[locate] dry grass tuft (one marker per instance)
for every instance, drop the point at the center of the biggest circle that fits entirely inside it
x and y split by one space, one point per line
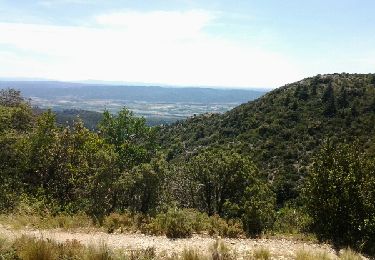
308 255
192 254
349 254
47 221
261 254
220 251
31 248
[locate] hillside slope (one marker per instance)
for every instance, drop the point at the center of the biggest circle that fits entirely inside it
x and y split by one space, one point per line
282 130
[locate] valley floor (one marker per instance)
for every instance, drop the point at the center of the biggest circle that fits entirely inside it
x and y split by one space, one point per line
241 248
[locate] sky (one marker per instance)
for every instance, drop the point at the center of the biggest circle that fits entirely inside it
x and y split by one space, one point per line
237 44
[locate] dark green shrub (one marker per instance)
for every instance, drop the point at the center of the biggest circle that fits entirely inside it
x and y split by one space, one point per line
258 209
340 195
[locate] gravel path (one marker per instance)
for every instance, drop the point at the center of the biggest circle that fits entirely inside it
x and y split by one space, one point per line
279 248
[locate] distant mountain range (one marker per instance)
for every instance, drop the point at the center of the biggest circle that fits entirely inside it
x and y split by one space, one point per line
158 104
57 89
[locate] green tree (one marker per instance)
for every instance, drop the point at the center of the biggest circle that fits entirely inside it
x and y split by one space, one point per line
303 93
373 80
257 208
11 98
43 154
314 86
13 162
219 177
228 184
16 121
86 172
132 138
342 99
340 195
143 188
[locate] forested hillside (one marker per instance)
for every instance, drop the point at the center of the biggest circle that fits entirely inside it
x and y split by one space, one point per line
282 130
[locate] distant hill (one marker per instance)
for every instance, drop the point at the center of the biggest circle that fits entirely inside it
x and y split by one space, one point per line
283 129
56 89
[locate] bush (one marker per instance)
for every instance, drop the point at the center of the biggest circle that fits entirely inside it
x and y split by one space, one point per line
221 227
118 222
258 213
218 226
291 220
175 223
191 254
183 222
235 229
307 255
47 221
6 250
348 254
126 222
32 248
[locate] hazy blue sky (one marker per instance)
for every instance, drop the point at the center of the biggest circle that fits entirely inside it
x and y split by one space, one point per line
261 43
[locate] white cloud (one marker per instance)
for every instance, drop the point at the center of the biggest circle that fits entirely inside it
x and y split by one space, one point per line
158 23
49 3
165 47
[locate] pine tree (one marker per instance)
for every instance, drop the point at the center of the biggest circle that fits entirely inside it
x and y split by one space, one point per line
329 101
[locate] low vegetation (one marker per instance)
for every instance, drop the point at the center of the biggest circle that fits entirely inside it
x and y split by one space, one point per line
307 255
175 223
348 254
39 249
261 254
31 248
47 221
